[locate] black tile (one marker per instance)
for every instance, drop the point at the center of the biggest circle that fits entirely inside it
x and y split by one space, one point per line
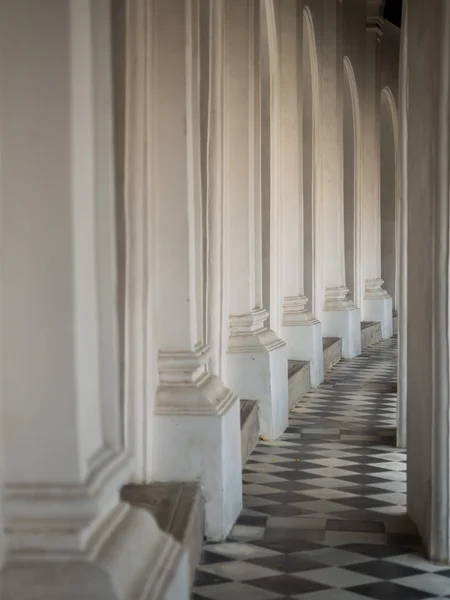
202 578
387 590
402 539
279 510
362 502
286 584
287 563
360 479
289 486
376 550
364 526
288 546
252 520
383 569
208 557
283 497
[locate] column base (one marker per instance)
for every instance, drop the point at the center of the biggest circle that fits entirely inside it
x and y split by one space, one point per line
200 440
257 369
137 560
377 306
302 333
341 318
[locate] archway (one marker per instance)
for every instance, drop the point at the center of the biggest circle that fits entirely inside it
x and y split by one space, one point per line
352 186
389 194
310 160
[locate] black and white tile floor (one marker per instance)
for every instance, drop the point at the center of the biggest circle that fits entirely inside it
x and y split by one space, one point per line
324 506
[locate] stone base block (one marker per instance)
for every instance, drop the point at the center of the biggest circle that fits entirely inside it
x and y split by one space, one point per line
344 324
262 374
304 342
249 428
370 333
299 381
380 309
137 560
332 352
205 448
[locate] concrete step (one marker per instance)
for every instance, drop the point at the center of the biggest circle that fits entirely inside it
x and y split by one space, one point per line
249 428
370 333
178 508
332 352
299 381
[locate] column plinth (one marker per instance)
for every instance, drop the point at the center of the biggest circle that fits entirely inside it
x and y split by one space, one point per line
377 306
302 333
257 369
341 318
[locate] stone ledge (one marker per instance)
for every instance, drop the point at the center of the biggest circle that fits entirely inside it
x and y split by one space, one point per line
299 381
332 352
370 333
178 508
249 428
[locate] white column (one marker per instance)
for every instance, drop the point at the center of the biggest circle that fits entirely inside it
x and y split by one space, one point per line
256 357
341 318
69 535
403 235
301 331
377 303
428 283
197 419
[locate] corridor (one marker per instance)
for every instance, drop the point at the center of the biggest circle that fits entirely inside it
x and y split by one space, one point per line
325 505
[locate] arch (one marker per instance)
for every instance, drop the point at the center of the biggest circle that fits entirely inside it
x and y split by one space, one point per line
271 219
389 194
352 183
310 157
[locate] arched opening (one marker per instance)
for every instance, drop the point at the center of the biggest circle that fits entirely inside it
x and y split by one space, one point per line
309 84
388 194
352 164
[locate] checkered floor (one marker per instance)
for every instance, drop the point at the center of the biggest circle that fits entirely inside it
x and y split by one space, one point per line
324 506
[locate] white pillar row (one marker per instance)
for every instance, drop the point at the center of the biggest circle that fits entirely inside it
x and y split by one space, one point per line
300 329
377 303
341 318
428 282
69 535
196 425
256 357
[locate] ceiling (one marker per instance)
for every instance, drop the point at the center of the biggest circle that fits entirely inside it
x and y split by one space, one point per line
393 11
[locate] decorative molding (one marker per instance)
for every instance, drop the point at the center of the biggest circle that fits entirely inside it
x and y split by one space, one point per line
157 569
374 289
295 312
337 298
249 334
187 388
65 520
375 16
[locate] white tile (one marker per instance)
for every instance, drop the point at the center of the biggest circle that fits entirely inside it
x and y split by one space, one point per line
247 533
334 557
234 591
431 583
327 494
336 577
238 550
239 571
417 562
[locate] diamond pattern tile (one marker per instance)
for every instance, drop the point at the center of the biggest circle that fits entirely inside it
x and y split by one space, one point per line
325 505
